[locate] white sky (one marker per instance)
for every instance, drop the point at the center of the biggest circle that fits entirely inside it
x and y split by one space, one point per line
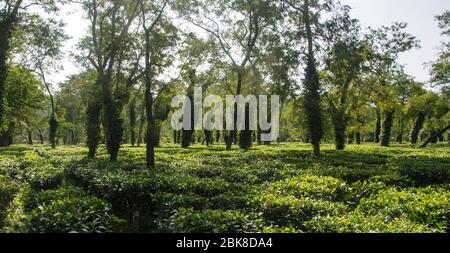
419 14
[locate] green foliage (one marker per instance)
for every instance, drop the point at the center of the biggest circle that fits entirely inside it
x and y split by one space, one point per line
356 222
44 177
212 221
68 211
424 206
297 200
271 189
422 172
8 190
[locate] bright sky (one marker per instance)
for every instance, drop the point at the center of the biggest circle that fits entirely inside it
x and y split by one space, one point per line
419 14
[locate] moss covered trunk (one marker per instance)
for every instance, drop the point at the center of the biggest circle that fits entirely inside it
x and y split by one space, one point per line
386 130
378 127
417 127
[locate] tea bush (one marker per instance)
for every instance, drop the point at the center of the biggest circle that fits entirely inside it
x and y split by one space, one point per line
8 190
357 222
212 221
44 177
278 188
425 206
68 211
424 171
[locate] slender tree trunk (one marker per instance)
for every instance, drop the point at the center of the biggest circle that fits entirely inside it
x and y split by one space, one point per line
141 126
312 88
53 130
233 133
93 128
188 135
175 136
53 122
30 138
217 136
339 129
150 145
41 137
246 138
402 129
417 127
440 132
358 137
133 122
378 127
208 137
387 128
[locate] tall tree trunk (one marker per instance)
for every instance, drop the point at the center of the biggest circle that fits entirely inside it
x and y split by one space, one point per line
208 137
150 145
53 122
6 136
6 28
339 129
387 128
358 137
378 127
93 126
232 136
188 134
402 129
429 139
175 136
417 127
53 130
245 137
141 126
217 136
133 122
112 121
41 137
312 88
30 137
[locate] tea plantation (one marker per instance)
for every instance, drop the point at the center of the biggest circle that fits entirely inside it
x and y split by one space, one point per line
271 189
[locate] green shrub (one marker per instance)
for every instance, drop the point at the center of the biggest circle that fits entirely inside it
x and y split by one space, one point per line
212 221
362 189
34 199
356 222
424 171
70 213
352 175
426 206
44 177
299 199
8 190
10 168
289 210
279 230
326 188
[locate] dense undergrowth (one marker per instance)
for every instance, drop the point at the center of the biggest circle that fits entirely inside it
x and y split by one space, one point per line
278 188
